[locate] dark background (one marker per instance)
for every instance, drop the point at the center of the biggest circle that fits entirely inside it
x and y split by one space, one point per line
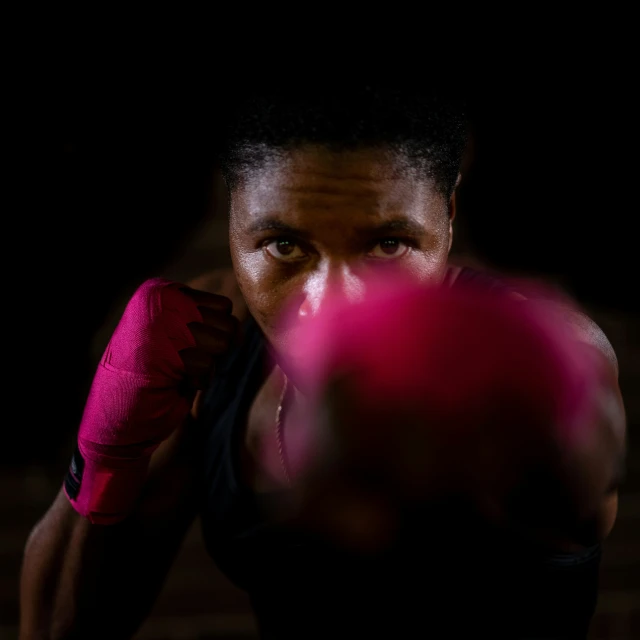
116 183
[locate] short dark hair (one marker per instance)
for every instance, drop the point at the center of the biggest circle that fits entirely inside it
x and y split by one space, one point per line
425 129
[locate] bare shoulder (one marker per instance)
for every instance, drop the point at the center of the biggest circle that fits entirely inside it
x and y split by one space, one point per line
586 329
222 282
590 332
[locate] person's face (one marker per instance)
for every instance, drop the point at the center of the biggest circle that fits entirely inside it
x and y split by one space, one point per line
315 222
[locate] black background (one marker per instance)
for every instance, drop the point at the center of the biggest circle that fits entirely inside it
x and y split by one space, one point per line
115 161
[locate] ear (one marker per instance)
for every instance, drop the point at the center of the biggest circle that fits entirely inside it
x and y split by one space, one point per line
452 210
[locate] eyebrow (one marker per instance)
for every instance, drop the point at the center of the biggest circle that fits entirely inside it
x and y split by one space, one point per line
401 225
392 226
273 224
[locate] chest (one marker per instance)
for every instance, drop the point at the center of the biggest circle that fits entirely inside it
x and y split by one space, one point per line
261 465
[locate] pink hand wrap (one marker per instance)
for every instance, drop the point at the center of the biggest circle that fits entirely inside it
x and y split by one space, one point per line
136 401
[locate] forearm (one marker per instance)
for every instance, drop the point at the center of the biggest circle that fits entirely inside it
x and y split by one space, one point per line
82 580
59 572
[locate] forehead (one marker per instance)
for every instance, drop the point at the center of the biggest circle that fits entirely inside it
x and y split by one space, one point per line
315 181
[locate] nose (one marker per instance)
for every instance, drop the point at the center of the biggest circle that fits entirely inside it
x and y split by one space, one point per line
330 282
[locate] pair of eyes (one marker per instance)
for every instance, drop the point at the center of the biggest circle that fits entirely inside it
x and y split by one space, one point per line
287 250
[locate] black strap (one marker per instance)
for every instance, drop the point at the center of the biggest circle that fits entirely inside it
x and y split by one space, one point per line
73 477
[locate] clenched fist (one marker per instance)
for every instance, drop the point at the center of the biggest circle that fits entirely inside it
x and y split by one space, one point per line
162 351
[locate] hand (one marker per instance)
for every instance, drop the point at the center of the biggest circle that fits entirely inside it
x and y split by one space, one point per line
212 337
426 393
163 349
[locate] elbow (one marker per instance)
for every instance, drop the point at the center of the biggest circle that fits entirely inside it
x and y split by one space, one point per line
598 528
593 530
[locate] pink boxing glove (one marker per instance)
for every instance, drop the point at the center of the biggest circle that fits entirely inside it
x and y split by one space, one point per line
138 396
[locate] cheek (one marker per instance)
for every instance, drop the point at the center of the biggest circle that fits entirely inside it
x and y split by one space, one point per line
266 294
433 266
429 265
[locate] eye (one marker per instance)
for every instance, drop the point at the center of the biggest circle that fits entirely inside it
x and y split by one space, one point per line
389 249
284 250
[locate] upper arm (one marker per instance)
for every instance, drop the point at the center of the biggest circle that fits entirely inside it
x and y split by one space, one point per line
606 449
601 456
611 405
604 454
613 422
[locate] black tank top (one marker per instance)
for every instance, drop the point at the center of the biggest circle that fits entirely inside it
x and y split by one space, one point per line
452 576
